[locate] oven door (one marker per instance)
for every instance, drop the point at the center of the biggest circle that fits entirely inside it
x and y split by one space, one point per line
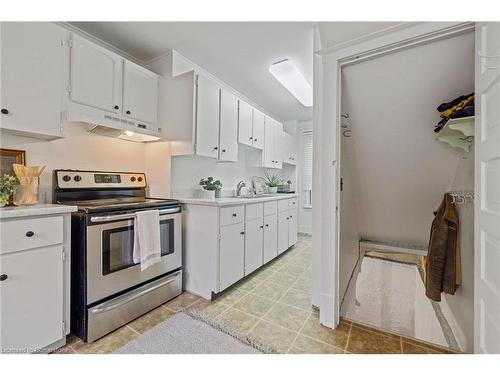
110 245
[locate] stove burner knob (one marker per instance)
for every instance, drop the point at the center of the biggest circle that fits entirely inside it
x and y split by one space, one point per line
77 178
139 179
132 179
66 178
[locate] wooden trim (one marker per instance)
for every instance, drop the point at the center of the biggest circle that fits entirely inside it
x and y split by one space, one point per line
20 155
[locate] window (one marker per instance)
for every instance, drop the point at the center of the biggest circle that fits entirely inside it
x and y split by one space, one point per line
307 168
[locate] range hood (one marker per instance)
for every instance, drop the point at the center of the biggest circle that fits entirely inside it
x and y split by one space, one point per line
111 125
127 135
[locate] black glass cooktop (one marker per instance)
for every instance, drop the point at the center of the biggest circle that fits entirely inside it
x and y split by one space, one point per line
113 204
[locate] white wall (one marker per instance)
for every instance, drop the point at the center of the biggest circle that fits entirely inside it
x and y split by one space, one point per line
400 171
79 150
187 170
305 214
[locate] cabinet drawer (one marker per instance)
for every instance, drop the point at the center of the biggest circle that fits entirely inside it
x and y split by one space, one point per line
283 205
31 233
253 211
292 203
270 208
231 215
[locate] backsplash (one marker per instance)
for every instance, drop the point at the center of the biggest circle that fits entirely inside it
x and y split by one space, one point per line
81 150
187 170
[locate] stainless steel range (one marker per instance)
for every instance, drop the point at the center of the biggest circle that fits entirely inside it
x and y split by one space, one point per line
107 288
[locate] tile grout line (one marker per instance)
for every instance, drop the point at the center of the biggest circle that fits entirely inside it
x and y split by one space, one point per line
274 304
348 337
298 333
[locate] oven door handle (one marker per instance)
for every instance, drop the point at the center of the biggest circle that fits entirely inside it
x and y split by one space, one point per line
103 219
127 299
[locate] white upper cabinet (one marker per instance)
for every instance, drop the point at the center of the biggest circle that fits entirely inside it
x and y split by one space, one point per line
245 123
32 71
140 93
258 129
289 149
228 144
251 126
273 144
96 76
207 117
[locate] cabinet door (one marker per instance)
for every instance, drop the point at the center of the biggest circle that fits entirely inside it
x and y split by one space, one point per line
231 254
32 71
96 76
31 312
270 238
207 117
268 154
228 142
283 240
254 237
140 93
245 123
278 145
258 129
292 227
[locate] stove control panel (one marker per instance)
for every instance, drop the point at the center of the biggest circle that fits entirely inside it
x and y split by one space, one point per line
75 179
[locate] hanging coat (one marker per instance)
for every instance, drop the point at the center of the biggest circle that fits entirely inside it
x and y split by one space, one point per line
443 264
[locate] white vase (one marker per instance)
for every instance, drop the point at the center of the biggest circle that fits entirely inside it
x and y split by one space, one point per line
272 189
205 194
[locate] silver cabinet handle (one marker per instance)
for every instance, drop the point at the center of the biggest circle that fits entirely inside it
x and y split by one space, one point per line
102 219
126 300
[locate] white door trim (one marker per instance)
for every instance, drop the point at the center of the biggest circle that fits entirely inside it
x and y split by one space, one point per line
327 123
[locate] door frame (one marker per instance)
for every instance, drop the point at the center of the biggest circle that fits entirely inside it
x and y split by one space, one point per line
327 120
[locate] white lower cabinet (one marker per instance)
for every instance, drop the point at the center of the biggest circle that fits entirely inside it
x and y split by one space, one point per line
270 238
282 231
292 227
254 241
32 299
222 245
34 278
287 225
231 255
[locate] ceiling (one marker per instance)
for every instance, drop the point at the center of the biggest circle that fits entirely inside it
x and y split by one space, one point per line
333 33
238 53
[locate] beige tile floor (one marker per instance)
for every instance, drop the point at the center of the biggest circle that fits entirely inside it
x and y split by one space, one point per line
273 306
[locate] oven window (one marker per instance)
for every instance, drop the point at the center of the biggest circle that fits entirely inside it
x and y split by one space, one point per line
118 246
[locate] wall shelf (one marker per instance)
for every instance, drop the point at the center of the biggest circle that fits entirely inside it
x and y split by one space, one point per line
458 132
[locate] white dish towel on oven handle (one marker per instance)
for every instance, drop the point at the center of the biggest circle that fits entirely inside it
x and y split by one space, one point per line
147 245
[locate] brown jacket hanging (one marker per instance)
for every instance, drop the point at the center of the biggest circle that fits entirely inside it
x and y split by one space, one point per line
443 264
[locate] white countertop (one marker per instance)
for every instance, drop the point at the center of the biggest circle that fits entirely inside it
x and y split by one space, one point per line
35 210
233 201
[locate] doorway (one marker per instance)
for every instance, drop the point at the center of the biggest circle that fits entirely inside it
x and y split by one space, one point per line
393 175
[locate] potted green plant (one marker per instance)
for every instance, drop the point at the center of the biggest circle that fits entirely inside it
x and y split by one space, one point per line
272 181
211 185
7 188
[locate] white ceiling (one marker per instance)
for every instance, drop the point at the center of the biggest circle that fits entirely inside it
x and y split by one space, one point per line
399 170
238 53
333 33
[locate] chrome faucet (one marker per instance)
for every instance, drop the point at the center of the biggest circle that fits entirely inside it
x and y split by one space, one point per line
240 185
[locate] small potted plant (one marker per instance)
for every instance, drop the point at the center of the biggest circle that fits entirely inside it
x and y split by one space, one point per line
272 181
7 188
211 185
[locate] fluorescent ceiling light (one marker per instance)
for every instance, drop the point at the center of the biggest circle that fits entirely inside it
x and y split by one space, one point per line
294 81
